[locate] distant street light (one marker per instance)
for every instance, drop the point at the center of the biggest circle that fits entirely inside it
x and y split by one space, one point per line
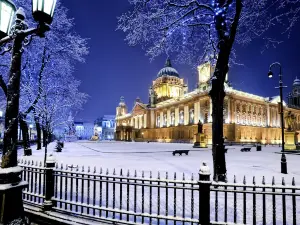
270 75
15 35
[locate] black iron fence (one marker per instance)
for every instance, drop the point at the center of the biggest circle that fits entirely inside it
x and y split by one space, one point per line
142 198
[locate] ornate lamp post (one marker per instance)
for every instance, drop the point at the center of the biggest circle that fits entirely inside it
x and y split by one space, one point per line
270 75
15 35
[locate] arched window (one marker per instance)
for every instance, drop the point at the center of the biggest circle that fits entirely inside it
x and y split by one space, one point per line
158 121
191 116
181 117
165 120
172 119
206 118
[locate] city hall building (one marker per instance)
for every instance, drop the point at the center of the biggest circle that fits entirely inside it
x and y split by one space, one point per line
172 113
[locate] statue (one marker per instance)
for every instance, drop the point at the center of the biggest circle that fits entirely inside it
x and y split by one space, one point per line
200 127
290 119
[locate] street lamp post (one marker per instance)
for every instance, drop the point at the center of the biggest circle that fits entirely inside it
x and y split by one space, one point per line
16 31
270 75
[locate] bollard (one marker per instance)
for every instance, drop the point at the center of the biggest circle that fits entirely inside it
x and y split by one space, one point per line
204 194
50 165
283 164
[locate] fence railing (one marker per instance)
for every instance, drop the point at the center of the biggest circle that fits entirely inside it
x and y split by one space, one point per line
161 199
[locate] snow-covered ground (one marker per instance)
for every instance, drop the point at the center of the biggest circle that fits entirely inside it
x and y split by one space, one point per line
158 157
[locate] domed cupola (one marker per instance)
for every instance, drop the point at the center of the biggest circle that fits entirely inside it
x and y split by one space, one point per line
168 84
296 82
168 70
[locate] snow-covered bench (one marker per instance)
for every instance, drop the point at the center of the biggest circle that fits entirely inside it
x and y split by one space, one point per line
180 152
245 149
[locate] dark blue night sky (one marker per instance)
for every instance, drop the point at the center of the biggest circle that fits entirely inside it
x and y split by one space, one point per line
113 69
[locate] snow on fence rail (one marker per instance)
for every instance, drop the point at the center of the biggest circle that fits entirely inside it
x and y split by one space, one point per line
159 199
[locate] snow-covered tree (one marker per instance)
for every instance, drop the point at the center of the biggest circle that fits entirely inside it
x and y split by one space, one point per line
47 63
197 31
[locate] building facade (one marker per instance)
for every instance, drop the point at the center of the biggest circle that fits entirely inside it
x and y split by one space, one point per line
172 113
84 130
107 124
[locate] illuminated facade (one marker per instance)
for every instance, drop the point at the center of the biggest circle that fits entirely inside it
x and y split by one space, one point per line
172 113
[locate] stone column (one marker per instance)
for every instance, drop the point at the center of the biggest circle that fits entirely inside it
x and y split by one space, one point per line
269 123
196 112
176 116
199 112
210 111
229 110
161 119
186 115
145 120
168 117
135 122
152 119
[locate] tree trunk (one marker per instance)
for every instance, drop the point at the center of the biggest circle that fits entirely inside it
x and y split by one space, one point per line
39 134
44 136
24 129
217 95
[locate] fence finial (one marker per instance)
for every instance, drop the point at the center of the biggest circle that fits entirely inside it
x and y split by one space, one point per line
22 161
77 168
263 180
150 174
174 175
32 162
273 181
72 167
66 166
254 180
36 163
40 164
61 166
135 174
89 169
25 162
82 170
121 172
183 176
167 175
283 182
101 170
204 169
114 172
95 170
128 173
192 178
293 181
244 180
143 174
234 179
107 172
158 175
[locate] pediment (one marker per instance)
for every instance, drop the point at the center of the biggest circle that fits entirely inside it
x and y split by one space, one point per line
139 109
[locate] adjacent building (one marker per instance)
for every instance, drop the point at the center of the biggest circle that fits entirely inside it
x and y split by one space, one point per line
172 113
107 124
84 130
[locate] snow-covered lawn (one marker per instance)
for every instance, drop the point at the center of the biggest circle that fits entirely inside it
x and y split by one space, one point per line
158 157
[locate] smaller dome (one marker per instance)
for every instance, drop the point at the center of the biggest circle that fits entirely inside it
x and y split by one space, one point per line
168 70
296 82
122 101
